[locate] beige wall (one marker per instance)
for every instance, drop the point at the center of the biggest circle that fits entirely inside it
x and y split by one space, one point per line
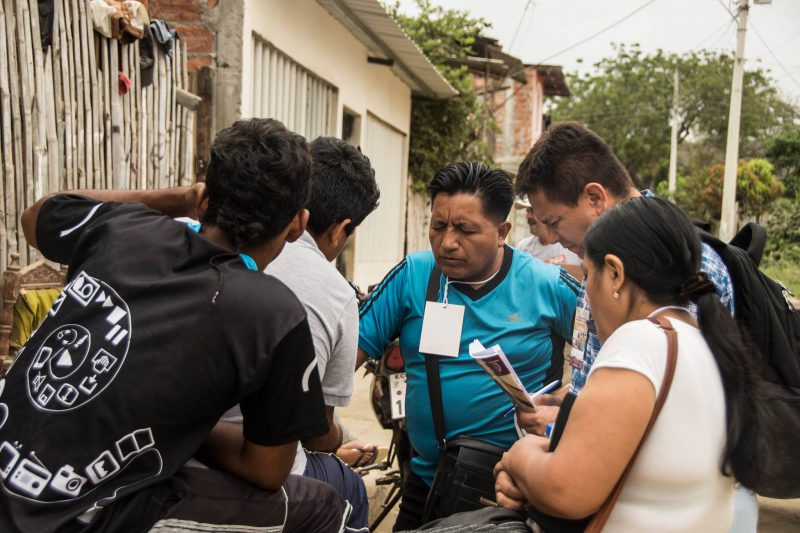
310 36
307 33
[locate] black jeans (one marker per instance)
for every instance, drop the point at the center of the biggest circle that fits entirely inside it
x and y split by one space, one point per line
412 505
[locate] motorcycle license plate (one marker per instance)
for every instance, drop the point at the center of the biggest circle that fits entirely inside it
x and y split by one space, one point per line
397 390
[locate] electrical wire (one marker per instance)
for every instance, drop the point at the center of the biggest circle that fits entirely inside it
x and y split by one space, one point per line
528 5
786 70
570 47
724 27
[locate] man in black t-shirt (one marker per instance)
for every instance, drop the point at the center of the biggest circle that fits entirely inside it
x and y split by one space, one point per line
161 328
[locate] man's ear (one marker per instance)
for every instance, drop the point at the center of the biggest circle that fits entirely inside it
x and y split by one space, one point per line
200 201
297 225
502 232
338 233
614 266
596 196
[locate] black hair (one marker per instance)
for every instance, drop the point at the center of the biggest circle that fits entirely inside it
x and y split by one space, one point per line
257 180
660 250
565 159
493 186
342 185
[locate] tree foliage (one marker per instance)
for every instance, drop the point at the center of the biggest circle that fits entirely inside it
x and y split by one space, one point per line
627 99
443 131
783 150
701 195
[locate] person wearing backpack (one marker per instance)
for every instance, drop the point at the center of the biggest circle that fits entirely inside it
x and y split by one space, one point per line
571 177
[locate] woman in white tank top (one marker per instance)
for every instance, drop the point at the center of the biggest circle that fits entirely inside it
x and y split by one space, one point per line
642 259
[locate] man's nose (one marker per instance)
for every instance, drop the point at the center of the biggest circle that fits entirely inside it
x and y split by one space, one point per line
449 241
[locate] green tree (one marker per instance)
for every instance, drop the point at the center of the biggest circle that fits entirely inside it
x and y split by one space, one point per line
700 195
448 130
627 99
784 152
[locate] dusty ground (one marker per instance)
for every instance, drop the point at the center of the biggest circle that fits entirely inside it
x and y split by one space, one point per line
775 516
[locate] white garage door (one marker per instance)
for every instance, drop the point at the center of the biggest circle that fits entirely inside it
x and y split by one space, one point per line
380 239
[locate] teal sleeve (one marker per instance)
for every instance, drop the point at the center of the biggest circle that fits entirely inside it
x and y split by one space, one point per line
566 299
382 314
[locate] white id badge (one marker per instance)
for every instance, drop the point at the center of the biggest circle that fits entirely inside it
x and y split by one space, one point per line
397 390
580 333
441 329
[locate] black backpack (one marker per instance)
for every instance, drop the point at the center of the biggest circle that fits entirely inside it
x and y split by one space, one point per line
771 326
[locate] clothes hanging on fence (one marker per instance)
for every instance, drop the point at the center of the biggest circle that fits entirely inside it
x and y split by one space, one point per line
46 17
164 35
124 21
124 85
146 59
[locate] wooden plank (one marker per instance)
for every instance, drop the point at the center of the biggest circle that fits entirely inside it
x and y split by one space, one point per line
67 66
98 159
105 45
87 45
6 151
58 97
161 134
54 157
25 56
117 143
39 110
77 73
16 240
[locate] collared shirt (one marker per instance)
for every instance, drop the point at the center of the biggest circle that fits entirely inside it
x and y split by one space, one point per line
581 359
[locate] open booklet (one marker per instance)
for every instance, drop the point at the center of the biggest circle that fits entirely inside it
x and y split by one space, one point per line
496 364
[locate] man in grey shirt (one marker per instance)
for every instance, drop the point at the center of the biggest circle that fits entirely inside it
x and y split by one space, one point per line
343 193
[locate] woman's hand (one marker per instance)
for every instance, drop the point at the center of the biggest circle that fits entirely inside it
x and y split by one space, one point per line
535 422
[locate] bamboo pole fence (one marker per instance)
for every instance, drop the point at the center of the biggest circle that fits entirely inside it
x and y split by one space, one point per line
65 125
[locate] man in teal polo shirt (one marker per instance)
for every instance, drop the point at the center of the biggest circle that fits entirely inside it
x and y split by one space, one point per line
507 297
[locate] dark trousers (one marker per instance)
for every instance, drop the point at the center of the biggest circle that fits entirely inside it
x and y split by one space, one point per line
330 469
412 504
198 499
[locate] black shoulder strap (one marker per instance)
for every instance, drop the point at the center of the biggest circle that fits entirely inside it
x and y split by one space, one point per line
432 368
751 238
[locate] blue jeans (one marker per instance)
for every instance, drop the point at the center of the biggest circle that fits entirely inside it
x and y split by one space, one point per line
333 471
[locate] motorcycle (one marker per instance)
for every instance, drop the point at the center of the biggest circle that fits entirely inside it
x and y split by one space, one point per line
387 399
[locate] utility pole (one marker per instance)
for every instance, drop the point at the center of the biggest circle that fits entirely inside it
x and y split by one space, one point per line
673 145
727 223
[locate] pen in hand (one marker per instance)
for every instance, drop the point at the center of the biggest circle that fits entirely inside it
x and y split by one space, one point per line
544 390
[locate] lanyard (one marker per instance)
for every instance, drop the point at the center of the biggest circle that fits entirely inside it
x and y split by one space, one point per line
448 282
248 261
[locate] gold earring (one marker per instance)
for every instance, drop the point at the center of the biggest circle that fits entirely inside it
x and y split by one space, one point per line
616 295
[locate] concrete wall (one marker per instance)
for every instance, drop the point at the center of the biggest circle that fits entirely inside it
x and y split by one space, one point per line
307 33
312 37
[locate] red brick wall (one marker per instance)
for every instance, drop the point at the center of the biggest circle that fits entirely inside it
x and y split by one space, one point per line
190 19
523 109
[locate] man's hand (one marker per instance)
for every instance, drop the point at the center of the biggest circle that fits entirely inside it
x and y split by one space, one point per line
536 422
507 494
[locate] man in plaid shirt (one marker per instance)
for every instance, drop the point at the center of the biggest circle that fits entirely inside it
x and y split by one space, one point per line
571 177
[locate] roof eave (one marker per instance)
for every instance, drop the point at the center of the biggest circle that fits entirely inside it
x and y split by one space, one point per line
368 21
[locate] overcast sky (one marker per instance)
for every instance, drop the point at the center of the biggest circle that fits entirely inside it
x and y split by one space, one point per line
549 26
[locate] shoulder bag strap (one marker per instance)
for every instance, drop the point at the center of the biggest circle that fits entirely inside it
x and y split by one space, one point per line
601 517
432 369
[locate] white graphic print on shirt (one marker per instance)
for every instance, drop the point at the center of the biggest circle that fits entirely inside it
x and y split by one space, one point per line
72 366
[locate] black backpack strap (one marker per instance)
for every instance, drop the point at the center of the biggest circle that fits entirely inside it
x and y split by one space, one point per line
432 368
751 238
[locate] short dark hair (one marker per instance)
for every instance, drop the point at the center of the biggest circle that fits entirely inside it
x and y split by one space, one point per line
493 186
342 185
566 158
257 180
660 250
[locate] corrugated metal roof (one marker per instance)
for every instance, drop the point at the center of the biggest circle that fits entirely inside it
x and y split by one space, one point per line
368 21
